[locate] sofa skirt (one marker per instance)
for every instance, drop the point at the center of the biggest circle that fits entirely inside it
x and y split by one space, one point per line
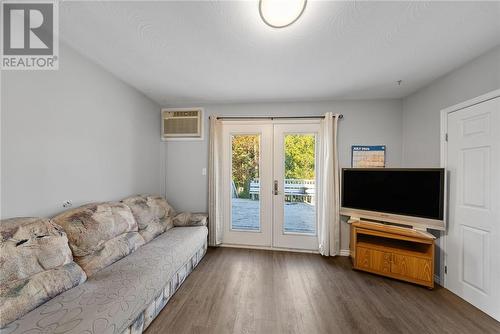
160 301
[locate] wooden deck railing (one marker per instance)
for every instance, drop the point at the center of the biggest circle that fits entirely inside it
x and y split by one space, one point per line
296 190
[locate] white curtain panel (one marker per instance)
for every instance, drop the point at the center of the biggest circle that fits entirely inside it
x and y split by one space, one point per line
329 195
214 183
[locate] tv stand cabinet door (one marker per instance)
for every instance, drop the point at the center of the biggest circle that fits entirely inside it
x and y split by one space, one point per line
414 268
373 260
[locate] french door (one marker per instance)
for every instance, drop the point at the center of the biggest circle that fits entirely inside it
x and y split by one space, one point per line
270 177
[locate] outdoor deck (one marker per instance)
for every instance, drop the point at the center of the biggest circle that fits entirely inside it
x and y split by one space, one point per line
299 217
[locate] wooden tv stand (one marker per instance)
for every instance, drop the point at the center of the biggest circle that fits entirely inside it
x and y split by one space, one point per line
398 252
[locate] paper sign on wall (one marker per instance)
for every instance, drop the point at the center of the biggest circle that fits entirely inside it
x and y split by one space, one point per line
368 156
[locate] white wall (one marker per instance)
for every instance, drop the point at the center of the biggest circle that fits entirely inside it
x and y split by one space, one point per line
75 134
365 122
421 110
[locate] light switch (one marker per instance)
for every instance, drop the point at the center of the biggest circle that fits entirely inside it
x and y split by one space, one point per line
203 171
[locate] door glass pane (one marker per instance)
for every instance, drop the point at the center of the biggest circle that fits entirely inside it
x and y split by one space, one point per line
245 188
300 183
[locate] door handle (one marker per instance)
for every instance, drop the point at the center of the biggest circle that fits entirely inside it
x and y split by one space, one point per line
275 189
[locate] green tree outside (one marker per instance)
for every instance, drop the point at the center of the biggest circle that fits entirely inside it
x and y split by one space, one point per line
299 156
245 162
299 159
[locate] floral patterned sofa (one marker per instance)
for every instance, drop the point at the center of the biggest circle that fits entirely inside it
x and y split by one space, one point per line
134 255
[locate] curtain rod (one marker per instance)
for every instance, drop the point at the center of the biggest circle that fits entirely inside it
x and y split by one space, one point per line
275 117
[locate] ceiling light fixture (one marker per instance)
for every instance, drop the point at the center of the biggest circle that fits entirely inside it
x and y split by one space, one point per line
281 13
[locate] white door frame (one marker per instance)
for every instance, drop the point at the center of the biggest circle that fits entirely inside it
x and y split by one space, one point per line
443 162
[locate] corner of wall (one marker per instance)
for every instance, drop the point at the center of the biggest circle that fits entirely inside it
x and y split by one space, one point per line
421 109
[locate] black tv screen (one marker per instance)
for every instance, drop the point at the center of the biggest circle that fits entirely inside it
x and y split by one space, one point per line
409 192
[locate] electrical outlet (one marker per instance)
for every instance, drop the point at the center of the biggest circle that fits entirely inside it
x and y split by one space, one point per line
67 204
203 171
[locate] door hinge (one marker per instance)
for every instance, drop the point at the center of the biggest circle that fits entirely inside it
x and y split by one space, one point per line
445 269
446 137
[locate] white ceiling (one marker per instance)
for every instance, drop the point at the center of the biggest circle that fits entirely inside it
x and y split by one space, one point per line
188 52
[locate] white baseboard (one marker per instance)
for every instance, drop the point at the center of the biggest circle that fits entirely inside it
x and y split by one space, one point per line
269 248
345 252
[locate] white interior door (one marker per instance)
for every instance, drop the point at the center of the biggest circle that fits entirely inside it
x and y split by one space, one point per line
269 180
473 238
295 180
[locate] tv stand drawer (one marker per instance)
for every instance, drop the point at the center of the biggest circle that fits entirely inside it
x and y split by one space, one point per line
372 259
412 267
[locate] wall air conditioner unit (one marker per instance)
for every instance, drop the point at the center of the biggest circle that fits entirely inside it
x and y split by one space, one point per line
182 124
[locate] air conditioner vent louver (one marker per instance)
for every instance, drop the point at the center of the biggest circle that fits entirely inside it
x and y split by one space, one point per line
185 123
185 113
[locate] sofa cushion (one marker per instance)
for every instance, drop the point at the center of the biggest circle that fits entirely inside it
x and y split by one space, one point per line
152 213
111 300
100 234
36 265
190 219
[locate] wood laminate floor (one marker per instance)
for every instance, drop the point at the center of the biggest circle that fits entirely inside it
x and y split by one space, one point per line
253 291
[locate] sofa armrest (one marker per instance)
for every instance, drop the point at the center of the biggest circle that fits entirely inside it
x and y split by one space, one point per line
190 219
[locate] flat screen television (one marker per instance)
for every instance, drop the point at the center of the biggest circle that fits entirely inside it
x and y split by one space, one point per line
412 196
